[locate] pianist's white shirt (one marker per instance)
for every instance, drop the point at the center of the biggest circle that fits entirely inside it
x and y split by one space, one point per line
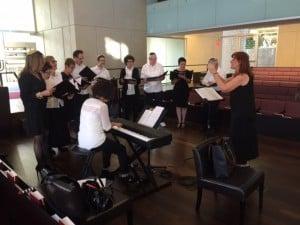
152 71
94 121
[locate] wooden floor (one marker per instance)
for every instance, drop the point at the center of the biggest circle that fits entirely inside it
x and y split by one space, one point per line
280 159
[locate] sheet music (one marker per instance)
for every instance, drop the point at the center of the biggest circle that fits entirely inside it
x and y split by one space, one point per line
208 93
150 117
66 221
103 180
145 116
131 133
75 84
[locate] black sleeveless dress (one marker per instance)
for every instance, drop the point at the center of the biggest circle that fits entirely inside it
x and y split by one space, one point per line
181 88
243 127
35 109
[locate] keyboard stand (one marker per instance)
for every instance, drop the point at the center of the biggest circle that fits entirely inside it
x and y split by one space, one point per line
137 151
156 126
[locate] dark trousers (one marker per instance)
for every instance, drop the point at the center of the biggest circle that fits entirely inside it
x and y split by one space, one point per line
154 99
77 104
57 123
111 147
130 106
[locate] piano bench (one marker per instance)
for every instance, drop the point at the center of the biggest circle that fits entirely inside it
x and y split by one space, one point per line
87 169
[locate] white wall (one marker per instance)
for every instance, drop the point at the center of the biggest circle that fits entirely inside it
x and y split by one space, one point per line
168 50
55 21
110 27
201 47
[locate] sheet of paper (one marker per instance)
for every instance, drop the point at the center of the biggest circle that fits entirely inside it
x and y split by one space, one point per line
66 221
150 117
208 93
80 182
75 84
144 117
56 217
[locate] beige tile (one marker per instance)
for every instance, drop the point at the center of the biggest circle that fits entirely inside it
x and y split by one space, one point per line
42 12
53 40
86 40
94 13
59 13
130 14
69 41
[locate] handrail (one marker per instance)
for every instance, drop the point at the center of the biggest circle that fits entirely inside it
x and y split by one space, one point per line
139 67
14 73
2 73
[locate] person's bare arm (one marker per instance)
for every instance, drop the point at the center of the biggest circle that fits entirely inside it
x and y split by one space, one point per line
233 83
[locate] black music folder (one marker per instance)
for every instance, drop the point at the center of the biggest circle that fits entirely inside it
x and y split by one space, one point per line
155 78
63 89
87 73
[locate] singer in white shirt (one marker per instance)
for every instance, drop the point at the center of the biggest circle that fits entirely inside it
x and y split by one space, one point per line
59 136
208 79
130 80
211 108
83 94
152 89
100 70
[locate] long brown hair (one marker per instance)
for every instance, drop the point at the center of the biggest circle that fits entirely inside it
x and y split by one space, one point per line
243 59
33 64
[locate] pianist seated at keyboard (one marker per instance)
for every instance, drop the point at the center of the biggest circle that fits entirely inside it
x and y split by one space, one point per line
94 122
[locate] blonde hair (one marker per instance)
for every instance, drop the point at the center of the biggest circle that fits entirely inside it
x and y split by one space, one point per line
213 61
34 63
49 58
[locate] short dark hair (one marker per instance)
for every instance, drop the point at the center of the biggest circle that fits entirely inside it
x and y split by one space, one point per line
77 52
47 66
103 88
100 56
69 62
152 53
181 59
128 57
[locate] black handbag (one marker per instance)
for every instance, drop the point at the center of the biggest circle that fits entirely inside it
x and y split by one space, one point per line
223 159
98 198
64 195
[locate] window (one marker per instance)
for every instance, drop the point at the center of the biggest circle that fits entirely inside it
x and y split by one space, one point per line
260 44
16 15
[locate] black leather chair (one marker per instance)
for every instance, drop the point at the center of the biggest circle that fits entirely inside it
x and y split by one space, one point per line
242 182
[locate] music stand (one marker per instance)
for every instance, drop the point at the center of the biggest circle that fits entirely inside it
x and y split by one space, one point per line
156 126
209 96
